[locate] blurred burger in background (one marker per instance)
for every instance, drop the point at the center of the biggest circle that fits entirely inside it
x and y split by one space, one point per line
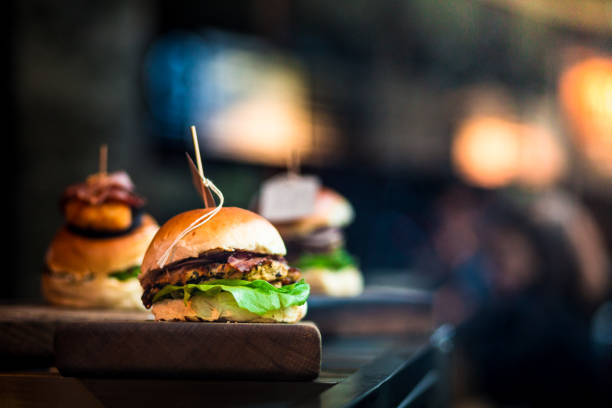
315 245
94 259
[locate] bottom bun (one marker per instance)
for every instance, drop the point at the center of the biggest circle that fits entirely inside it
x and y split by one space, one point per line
221 307
342 283
99 292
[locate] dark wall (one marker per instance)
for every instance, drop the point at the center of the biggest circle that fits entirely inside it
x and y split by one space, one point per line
388 73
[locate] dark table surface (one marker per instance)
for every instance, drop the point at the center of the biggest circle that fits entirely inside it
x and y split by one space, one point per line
351 368
375 352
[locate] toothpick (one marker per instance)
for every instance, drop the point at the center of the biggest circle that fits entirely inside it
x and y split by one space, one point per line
103 159
196 147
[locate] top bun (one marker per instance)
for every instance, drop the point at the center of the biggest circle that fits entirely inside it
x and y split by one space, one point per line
330 210
231 229
80 255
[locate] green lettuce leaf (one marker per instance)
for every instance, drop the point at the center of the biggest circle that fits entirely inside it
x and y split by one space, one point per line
130 273
335 260
256 296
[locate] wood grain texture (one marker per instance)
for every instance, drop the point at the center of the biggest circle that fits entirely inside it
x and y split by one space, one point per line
27 331
189 350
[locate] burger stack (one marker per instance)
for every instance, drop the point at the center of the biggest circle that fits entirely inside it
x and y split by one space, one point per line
94 259
231 268
315 245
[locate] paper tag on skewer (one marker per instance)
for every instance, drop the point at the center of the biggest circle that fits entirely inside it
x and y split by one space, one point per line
288 197
199 185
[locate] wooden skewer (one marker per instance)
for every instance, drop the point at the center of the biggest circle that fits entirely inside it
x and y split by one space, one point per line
197 174
103 160
297 161
293 162
196 147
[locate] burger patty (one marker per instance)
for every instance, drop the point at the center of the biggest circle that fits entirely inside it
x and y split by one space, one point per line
320 241
241 265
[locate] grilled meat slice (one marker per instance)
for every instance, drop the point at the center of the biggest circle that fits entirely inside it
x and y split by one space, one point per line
323 240
241 265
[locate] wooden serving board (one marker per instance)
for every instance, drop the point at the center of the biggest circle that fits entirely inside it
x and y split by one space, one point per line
256 351
27 331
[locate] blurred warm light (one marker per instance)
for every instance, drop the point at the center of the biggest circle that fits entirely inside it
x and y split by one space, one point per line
262 129
271 117
251 101
493 152
542 159
585 90
486 151
267 125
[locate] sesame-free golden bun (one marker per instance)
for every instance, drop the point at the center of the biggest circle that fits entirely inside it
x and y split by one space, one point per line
81 255
330 210
221 307
97 291
79 267
231 229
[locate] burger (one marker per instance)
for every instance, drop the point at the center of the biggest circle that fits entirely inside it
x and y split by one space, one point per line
231 268
316 246
93 260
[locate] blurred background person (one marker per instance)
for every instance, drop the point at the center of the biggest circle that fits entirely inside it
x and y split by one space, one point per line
495 248
525 288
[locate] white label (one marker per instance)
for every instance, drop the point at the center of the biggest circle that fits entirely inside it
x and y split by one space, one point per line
288 197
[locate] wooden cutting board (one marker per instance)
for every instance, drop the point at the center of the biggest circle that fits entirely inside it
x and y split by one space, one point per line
27 331
256 351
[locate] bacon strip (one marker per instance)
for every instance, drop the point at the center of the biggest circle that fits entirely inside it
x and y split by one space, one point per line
244 261
98 189
323 240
